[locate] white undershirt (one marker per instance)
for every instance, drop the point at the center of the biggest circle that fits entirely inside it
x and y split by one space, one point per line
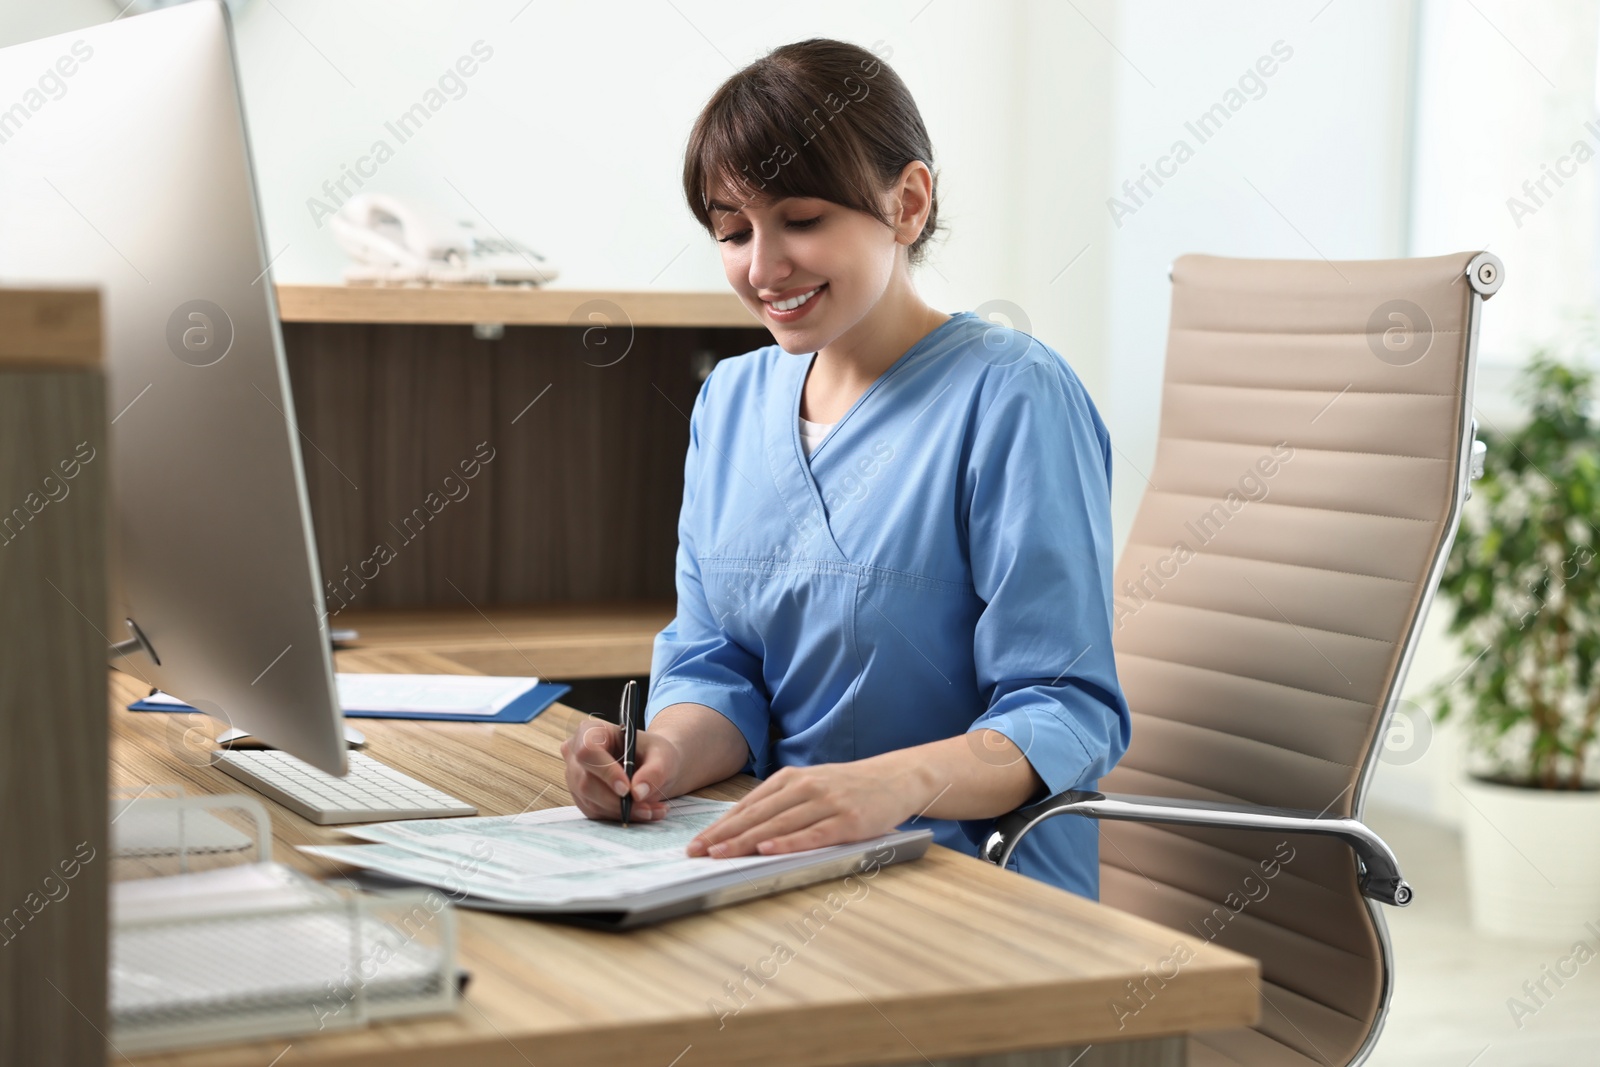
812 433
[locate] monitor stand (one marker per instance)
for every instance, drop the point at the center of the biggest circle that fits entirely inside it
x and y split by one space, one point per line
355 738
139 642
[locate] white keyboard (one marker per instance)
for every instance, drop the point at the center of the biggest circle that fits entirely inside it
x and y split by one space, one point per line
371 792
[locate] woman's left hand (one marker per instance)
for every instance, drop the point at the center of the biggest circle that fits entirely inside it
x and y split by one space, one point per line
809 807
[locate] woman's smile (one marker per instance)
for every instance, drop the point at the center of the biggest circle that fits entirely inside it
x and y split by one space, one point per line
792 305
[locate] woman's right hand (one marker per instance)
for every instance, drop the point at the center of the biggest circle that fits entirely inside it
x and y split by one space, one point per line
593 758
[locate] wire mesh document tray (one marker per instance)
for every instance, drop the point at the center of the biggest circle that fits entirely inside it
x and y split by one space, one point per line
257 949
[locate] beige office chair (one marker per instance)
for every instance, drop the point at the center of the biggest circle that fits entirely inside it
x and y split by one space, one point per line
1316 446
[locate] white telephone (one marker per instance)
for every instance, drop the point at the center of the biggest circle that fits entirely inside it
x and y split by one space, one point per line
392 241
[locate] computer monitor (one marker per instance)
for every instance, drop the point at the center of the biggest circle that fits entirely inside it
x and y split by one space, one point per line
124 165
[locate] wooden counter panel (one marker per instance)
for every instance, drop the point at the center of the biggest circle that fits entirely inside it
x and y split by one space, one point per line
444 470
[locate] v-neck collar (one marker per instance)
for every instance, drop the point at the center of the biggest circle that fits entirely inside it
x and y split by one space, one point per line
791 469
919 346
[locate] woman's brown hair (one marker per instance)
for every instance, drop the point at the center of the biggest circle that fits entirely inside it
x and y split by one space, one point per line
817 118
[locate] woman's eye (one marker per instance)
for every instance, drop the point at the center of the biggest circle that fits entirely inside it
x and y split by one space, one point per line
742 236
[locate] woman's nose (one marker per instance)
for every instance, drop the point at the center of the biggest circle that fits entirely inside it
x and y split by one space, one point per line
769 261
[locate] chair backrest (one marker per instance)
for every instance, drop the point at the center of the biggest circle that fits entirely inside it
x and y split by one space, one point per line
1314 447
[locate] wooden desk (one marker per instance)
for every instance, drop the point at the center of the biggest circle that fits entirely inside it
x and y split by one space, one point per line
937 961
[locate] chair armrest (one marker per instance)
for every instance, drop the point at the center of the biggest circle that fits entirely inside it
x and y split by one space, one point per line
1380 871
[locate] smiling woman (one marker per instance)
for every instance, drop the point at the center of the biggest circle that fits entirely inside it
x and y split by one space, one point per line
894 558
814 171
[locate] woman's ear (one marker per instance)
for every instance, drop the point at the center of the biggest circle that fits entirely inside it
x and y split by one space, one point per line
911 201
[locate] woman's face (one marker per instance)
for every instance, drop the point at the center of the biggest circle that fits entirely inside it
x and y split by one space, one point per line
809 269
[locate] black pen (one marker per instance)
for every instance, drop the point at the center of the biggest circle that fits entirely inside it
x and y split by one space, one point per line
630 735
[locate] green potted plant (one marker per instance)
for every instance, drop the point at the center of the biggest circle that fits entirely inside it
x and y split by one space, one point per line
1524 581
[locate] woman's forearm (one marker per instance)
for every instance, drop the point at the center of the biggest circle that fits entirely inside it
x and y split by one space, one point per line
710 748
976 775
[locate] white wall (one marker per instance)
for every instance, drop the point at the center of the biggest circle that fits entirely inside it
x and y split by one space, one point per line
570 138
1508 90
1311 169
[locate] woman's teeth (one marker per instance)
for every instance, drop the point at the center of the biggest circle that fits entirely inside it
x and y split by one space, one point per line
796 301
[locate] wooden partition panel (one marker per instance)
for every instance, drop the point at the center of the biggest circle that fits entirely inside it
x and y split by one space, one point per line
53 862
544 465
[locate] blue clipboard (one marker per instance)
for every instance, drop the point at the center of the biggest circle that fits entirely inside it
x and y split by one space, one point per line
522 709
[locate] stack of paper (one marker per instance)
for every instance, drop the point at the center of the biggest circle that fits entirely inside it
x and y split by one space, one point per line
550 857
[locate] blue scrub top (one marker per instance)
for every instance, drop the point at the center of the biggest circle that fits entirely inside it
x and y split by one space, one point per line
942 564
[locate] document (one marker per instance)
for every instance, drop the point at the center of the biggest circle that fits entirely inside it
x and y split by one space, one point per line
441 694
554 856
434 694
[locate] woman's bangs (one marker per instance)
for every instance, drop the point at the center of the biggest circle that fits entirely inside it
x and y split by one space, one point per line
744 153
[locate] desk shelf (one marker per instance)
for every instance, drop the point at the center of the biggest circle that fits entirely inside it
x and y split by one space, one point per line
467 305
564 641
